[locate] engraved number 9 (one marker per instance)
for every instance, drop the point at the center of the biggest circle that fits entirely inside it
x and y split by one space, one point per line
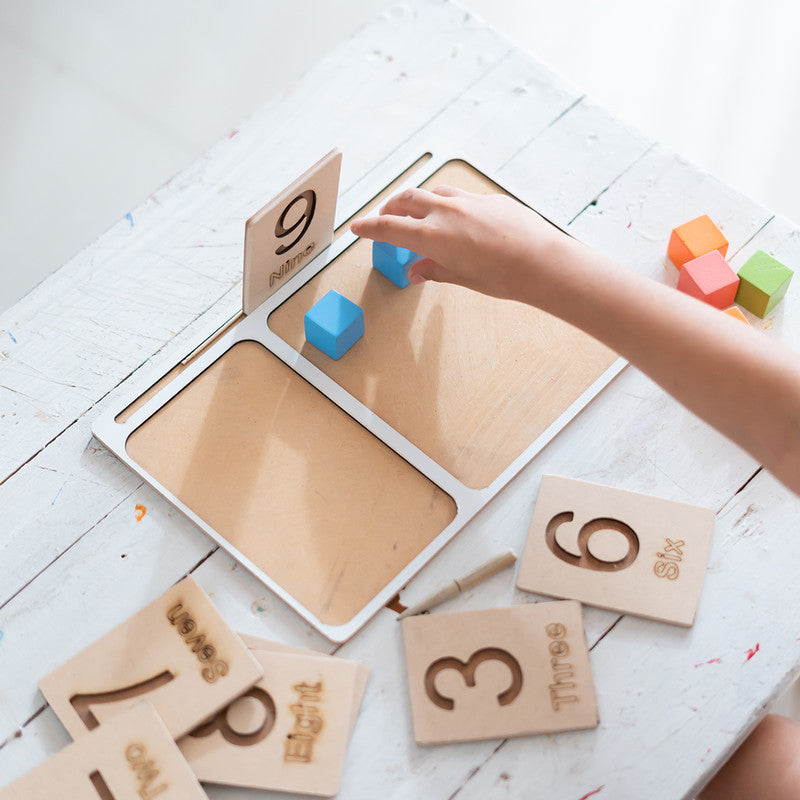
310 197
586 559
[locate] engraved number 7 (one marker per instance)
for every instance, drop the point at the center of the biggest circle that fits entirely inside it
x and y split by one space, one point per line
82 702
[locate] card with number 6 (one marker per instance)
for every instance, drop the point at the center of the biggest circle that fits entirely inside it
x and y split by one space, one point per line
616 549
177 653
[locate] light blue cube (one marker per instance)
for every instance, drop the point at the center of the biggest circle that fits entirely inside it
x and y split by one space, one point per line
334 324
393 262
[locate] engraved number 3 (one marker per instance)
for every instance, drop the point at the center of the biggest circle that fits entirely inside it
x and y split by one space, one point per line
467 669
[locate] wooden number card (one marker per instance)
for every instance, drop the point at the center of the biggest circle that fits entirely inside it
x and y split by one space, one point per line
361 670
290 230
177 653
132 757
617 549
288 733
502 672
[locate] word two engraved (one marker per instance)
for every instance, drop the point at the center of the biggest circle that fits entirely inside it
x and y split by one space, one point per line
308 723
666 565
563 685
467 669
145 770
206 653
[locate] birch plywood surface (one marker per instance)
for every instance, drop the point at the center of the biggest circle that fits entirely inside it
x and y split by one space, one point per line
78 555
470 380
296 485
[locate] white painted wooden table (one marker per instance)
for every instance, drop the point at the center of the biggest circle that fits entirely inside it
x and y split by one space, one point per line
75 560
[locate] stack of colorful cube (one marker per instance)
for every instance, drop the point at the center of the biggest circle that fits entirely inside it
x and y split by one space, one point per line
698 248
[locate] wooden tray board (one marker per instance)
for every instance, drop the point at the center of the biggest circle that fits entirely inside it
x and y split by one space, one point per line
469 379
335 483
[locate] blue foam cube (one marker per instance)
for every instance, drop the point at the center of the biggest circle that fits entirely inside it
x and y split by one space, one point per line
334 324
393 262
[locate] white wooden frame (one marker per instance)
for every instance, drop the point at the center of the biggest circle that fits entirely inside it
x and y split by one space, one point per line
254 327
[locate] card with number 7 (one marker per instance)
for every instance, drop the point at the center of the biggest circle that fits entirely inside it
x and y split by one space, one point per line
177 653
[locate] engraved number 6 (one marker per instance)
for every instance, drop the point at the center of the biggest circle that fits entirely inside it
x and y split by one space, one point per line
586 559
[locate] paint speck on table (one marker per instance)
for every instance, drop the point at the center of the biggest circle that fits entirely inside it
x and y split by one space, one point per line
752 651
140 511
710 661
596 791
257 607
129 217
11 335
58 494
1 636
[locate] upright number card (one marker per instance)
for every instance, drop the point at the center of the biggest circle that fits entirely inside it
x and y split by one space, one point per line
177 653
290 230
617 549
132 757
502 672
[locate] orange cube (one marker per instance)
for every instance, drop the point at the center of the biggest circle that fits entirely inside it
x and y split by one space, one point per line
693 239
736 313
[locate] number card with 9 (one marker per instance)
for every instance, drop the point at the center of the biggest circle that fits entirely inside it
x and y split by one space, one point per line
290 231
616 549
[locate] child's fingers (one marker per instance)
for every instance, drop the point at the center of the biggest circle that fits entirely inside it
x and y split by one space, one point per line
400 231
410 203
451 191
426 269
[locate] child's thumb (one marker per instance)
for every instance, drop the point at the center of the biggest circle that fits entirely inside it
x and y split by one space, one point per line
426 269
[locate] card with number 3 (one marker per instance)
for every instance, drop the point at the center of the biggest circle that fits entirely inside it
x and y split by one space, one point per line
616 549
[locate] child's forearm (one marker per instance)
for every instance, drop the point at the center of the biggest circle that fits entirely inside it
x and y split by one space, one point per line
728 374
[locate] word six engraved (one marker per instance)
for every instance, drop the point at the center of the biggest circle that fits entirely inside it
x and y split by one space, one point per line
206 653
666 565
308 723
562 685
145 770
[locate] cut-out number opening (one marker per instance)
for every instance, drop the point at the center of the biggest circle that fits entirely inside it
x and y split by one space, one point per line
467 670
220 721
281 231
82 702
586 559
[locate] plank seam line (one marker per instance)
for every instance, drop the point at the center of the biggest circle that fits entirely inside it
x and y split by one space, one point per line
607 631
421 129
67 549
539 133
18 732
475 770
614 182
40 450
200 562
741 247
733 497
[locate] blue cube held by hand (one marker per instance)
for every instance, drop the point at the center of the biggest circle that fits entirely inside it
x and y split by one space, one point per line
334 324
393 262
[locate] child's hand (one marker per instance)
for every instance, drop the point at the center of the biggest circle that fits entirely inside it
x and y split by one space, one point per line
490 243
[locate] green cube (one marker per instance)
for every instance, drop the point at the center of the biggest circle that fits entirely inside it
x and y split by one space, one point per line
763 281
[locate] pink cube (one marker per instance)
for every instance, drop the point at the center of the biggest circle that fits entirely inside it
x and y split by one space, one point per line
709 278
